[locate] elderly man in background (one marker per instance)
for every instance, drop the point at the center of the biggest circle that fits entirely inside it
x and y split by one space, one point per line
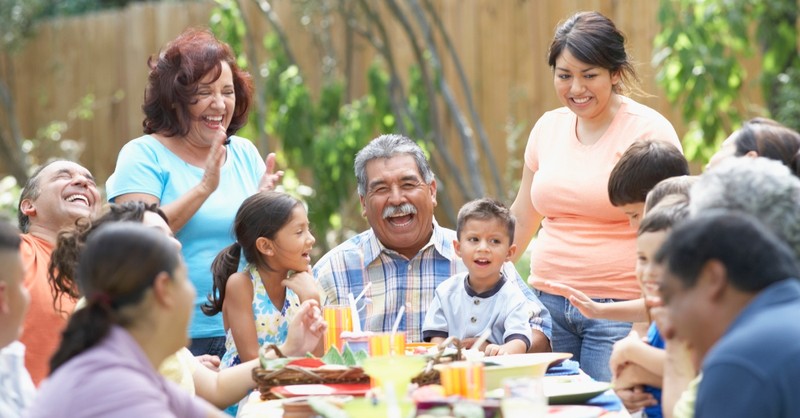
762 188
55 196
730 289
405 254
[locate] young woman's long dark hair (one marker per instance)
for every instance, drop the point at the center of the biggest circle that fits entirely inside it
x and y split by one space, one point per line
70 243
118 265
261 215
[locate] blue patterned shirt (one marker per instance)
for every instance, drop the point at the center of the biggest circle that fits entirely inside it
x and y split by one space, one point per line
397 280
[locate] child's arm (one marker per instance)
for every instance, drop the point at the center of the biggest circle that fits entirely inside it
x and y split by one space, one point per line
625 311
303 285
434 327
437 340
237 310
632 349
512 347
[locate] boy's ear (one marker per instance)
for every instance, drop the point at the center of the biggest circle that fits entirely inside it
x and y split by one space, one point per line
511 251
264 246
457 247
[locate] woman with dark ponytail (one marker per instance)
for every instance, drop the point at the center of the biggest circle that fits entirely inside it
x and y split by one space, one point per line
219 388
139 302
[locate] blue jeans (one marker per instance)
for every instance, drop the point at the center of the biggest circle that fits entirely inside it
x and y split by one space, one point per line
589 340
214 346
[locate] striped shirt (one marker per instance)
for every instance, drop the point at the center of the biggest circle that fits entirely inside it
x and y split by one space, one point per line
398 281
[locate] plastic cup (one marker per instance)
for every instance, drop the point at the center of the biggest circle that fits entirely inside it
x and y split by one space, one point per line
385 344
524 398
463 378
339 318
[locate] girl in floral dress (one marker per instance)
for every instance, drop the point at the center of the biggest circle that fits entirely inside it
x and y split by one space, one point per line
257 304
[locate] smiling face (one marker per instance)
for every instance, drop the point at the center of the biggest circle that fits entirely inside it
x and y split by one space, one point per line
687 314
291 248
213 107
647 271
585 89
66 192
399 204
484 246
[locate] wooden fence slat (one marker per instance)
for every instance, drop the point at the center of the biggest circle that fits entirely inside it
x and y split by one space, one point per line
502 45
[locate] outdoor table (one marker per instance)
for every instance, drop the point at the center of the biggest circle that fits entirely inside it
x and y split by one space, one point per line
254 407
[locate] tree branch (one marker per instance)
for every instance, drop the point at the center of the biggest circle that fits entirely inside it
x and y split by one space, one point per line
464 131
486 147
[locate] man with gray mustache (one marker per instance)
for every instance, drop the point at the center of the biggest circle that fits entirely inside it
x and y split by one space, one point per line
405 254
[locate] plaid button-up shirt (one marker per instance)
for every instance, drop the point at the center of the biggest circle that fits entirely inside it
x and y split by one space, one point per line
398 281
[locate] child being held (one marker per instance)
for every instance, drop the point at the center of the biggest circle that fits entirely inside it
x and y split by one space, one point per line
468 304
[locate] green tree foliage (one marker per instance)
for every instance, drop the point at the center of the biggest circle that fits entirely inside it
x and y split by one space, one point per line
699 53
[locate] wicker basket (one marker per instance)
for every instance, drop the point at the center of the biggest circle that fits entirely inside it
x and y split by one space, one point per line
295 375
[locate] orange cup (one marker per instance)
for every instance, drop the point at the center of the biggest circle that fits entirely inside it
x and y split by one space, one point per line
382 344
339 318
464 379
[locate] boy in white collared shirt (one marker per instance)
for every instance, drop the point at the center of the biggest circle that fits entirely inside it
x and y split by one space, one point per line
468 304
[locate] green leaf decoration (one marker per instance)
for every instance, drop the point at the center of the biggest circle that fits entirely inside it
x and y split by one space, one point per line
348 356
333 357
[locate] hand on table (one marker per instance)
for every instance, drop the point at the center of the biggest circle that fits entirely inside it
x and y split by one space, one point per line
635 398
469 342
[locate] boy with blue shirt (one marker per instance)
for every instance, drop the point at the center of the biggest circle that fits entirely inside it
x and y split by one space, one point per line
468 304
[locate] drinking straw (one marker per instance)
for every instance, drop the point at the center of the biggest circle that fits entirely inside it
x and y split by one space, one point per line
394 328
354 312
363 292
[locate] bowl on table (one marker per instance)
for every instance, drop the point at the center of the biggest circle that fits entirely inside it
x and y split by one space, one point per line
498 368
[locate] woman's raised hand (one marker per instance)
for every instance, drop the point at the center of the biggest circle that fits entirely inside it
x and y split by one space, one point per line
216 158
271 177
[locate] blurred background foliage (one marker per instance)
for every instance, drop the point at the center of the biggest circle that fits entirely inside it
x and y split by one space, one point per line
700 54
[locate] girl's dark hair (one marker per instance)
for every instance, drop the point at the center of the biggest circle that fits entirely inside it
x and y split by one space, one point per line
174 78
769 139
70 243
594 39
115 269
261 215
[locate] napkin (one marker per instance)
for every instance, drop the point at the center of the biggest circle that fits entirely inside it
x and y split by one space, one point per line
566 368
608 400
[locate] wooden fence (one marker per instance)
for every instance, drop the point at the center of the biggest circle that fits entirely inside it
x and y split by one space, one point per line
502 44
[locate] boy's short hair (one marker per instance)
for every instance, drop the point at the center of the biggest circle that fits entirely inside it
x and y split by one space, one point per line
671 211
679 186
641 167
486 209
9 236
